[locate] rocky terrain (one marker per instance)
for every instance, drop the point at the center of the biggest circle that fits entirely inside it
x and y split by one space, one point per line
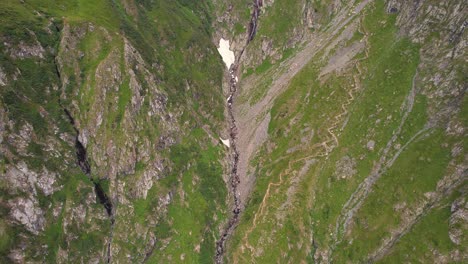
335 134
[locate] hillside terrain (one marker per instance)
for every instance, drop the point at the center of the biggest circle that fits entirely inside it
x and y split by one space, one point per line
244 131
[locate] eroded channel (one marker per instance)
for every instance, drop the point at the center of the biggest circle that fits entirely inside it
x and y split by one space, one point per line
233 131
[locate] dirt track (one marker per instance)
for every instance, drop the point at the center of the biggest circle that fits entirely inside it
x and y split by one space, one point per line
321 149
251 118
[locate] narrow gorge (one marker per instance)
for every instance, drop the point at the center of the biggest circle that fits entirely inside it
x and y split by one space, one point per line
241 131
233 131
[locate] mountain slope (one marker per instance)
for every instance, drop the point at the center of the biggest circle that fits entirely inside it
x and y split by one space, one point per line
337 136
110 112
363 139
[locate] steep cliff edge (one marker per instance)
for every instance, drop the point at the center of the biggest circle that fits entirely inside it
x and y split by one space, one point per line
110 114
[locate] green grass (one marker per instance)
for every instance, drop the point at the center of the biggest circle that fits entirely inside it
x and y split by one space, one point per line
190 218
374 114
382 96
262 68
427 235
124 96
54 236
78 11
174 39
8 238
279 20
32 94
415 173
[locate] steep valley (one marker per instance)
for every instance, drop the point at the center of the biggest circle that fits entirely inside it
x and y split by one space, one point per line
337 134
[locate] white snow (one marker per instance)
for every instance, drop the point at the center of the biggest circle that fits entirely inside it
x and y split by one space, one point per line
226 53
226 142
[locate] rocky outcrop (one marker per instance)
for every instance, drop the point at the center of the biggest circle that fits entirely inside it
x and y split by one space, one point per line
3 78
23 50
440 83
458 223
347 54
111 117
27 212
21 178
345 168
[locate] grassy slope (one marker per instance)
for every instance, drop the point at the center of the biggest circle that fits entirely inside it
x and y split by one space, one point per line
319 198
173 34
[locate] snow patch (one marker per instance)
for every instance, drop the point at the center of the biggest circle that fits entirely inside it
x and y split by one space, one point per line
226 142
226 53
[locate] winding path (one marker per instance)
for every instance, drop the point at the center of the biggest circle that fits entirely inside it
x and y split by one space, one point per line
327 146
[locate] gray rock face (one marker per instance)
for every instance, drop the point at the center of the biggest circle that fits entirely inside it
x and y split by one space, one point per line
345 168
26 50
27 212
46 181
458 223
22 139
16 256
3 78
370 145
22 178
416 20
3 126
145 183
128 113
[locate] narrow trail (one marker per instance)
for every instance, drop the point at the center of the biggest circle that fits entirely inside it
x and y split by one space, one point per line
234 179
327 146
